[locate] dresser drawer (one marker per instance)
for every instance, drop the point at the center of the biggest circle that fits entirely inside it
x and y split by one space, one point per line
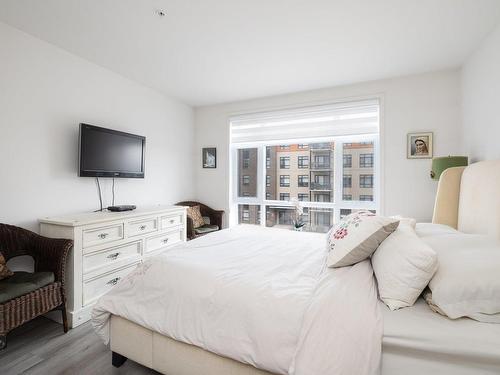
98 236
97 286
138 227
170 221
161 241
112 255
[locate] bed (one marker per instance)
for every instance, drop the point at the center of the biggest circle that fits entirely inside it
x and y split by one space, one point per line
414 340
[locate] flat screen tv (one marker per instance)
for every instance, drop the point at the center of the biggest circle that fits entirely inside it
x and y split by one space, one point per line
110 153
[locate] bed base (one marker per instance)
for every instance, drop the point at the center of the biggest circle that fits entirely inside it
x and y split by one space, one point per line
167 356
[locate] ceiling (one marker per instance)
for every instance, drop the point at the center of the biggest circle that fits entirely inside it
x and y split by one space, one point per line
213 51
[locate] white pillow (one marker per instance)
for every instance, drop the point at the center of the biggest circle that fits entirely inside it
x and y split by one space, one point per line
406 220
403 265
467 282
356 237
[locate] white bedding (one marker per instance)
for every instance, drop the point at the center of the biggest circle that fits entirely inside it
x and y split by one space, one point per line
419 341
260 296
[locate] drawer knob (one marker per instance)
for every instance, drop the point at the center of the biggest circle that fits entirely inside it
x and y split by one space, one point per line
172 221
113 256
165 240
103 235
142 227
113 281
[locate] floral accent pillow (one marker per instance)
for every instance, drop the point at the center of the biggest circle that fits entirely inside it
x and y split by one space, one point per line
4 270
356 237
194 214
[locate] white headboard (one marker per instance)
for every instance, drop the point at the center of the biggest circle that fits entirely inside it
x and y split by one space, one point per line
469 198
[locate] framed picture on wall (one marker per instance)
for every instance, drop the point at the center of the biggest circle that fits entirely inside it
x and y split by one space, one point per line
209 157
419 146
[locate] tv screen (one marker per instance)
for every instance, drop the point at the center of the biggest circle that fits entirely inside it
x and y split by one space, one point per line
110 153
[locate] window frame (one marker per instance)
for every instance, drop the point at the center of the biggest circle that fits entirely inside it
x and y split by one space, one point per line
284 165
336 204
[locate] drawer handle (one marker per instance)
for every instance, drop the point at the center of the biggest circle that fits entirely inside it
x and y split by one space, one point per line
113 256
103 235
142 227
165 240
113 281
172 221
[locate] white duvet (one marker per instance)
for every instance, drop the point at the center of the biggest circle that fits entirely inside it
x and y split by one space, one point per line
260 296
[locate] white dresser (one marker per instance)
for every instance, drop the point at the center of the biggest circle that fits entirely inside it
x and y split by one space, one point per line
107 246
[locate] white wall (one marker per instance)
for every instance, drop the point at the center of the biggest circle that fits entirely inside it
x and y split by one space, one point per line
481 100
45 93
427 102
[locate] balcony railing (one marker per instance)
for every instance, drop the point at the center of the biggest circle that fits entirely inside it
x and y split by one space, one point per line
315 165
321 186
320 146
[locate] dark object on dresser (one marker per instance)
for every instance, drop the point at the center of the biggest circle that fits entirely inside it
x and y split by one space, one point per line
24 296
214 216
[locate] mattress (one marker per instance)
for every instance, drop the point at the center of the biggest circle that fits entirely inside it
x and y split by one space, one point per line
420 341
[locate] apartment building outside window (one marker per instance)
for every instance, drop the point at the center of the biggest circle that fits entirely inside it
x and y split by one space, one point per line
303 180
303 161
366 181
284 196
330 173
284 181
285 162
347 160
366 161
347 180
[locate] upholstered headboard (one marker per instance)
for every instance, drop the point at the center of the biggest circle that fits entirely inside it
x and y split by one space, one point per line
468 198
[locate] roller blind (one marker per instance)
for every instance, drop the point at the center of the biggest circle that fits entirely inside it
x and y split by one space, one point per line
347 118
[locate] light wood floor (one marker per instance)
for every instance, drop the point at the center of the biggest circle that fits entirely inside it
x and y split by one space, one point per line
41 347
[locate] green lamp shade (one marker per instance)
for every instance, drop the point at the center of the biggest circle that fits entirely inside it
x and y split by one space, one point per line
445 162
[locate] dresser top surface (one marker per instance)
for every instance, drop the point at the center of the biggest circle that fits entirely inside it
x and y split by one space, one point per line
87 218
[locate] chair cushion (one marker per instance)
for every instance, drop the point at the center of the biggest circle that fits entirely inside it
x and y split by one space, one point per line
4 270
194 214
22 283
206 229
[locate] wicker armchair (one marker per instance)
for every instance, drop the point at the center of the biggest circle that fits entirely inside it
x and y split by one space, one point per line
214 215
49 255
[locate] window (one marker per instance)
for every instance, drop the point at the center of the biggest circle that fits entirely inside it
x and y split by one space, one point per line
321 162
365 180
347 181
303 197
303 180
284 196
285 162
246 215
366 160
285 181
308 169
303 161
347 160
245 158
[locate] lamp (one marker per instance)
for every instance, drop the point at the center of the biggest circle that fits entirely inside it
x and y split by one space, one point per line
445 162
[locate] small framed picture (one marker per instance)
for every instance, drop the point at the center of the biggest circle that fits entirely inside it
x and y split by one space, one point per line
209 157
419 146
